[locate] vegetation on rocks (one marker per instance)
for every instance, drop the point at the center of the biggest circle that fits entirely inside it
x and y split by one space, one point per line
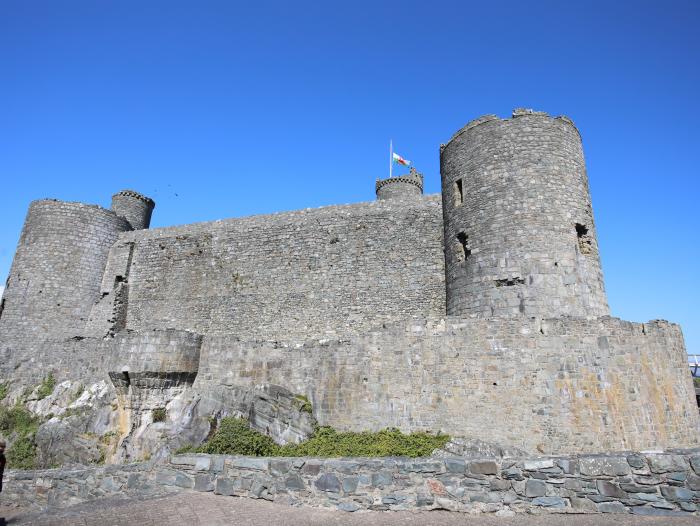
4 387
304 403
234 437
46 387
159 414
19 422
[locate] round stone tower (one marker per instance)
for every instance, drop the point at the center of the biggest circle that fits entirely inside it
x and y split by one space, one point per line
401 187
134 207
57 270
519 232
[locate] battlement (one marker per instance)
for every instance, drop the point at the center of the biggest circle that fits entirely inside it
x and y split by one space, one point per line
517 112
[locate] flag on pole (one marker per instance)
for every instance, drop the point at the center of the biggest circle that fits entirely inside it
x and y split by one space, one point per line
400 160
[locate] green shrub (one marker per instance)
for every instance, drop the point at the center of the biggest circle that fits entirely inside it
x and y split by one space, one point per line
304 403
46 387
22 453
327 442
159 414
234 437
4 387
21 423
18 420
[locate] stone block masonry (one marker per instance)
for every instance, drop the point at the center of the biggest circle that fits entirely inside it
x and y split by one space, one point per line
519 232
554 386
646 484
338 270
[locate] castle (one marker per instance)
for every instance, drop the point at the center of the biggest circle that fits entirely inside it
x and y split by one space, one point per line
480 312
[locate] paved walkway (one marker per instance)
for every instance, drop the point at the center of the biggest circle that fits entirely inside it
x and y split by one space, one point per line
207 509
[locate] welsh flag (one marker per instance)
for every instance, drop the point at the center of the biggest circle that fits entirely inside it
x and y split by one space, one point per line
400 160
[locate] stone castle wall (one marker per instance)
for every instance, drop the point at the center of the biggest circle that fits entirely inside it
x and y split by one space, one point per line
338 270
554 386
519 232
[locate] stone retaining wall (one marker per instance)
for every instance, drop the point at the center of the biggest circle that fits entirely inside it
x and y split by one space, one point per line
640 483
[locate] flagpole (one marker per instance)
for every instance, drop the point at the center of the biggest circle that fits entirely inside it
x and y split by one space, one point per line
391 157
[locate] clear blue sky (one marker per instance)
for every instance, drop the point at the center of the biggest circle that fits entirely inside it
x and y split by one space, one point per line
223 109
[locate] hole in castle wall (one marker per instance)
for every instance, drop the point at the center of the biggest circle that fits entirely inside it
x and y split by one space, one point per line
458 194
2 306
509 282
585 243
464 250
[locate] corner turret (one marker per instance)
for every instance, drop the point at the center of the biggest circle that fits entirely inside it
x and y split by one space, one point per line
401 187
134 207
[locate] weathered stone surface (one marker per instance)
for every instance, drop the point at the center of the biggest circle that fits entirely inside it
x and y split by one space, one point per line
455 465
675 493
636 461
611 507
248 463
583 504
693 482
604 465
483 467
328 482
549 502
667 463
294 482
609 489
535 488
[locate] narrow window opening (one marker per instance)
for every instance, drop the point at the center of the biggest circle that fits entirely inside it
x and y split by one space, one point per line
2 306
585 243
464 248
459 195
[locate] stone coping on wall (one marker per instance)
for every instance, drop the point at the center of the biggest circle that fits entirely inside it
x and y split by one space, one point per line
647 483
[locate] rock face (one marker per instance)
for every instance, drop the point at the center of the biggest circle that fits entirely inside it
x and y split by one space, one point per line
153 372
278 413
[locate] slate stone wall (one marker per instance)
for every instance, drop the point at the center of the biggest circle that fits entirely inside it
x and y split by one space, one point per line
513 193
553 386
295 275
57 269
657 484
